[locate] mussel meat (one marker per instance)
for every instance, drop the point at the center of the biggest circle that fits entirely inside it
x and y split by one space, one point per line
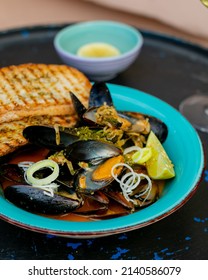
97 177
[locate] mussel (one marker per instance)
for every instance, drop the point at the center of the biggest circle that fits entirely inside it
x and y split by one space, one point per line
97 177
141 198
139 123
91 151
48 137
99 96
36 200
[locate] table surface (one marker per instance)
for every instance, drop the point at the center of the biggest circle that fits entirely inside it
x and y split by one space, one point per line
168 68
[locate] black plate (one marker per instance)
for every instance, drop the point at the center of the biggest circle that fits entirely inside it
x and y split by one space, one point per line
168 68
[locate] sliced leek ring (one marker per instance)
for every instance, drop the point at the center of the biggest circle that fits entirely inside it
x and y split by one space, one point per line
39 165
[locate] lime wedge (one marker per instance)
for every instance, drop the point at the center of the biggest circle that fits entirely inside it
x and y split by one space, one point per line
159 166
141 156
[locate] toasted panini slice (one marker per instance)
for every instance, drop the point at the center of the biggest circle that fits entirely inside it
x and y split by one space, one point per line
40 89
11 137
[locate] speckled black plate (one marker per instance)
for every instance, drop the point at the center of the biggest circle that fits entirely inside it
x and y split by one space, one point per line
168 68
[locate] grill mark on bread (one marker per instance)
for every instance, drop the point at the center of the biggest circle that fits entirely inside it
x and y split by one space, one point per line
56 89
41 87
8 98
19 87
28 78
38 89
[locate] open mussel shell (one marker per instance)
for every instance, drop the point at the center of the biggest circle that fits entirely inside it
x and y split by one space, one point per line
35 200
114 210
79 109
90 207
98 196
99 211
98 206
103 206
97 177
89 116
99 95
91 151
84 183
159 128
45 136
119 198
142 198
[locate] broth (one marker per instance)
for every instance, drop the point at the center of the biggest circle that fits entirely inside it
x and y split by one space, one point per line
114 208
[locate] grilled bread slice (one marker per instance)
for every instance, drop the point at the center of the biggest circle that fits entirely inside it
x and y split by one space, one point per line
11 137
38 89
32 94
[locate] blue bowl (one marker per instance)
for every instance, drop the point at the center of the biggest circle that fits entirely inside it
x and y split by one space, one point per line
184 147
125 38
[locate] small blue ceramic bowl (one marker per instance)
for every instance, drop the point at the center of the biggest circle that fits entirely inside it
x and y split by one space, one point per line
123 37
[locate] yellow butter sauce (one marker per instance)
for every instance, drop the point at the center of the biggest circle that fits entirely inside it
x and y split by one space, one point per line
98 50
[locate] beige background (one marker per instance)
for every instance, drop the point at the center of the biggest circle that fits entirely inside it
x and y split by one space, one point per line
188 15
183 18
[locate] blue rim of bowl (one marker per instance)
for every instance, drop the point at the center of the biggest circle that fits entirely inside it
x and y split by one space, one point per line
137 47
33 222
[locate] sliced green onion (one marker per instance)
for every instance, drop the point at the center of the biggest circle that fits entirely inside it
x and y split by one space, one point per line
141 155
25 164
129 181
39 165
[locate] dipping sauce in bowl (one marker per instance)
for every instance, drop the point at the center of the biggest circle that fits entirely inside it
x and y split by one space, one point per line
98 49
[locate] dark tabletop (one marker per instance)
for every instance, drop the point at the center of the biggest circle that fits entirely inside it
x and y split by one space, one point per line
168 68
